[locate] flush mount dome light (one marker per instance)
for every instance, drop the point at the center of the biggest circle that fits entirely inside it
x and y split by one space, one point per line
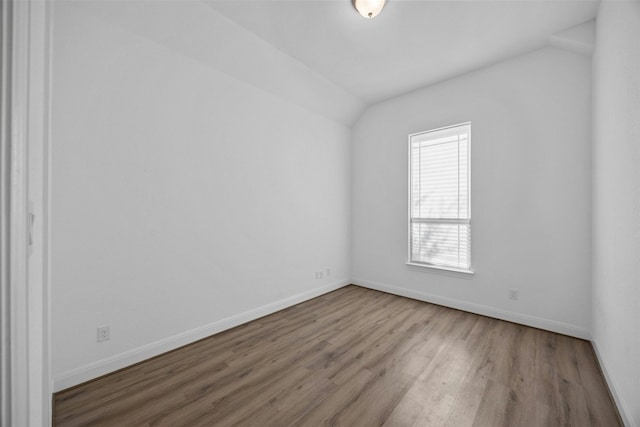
369 8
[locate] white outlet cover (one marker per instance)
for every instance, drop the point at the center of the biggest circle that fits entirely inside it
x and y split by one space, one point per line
104 333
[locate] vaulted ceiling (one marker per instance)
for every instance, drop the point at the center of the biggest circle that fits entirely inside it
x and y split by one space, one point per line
411 43
323 56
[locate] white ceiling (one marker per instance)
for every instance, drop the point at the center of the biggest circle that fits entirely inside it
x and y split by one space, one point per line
410 44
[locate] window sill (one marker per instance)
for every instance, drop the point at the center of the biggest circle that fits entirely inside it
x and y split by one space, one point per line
457 272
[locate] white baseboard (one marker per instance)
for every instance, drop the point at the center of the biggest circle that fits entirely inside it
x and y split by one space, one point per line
524 319
626 417
101 367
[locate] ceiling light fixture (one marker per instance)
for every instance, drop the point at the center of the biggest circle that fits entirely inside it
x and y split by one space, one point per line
369 8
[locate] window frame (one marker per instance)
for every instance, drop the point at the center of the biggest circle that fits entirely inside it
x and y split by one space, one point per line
425 266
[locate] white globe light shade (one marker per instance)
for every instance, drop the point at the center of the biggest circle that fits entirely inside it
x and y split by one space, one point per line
369 8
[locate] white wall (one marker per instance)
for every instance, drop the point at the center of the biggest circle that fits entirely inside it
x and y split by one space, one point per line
197 30
616 202
181 196
531 192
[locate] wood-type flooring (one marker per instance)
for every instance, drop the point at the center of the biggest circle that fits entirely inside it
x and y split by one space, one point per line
356 357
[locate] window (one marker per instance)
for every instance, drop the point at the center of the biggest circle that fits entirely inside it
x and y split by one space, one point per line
439 199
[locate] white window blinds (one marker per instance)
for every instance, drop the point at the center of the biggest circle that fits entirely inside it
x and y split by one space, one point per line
439 205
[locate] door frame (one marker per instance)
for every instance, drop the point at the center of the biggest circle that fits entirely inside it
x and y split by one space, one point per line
25 198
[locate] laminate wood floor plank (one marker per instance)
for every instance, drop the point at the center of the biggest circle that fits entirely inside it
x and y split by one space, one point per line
356 357
595 389
480 344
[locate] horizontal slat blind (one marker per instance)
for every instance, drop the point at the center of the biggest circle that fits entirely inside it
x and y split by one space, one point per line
440 212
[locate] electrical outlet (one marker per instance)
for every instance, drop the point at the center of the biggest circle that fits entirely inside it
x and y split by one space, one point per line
328 272
513 294
319 274
104 333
